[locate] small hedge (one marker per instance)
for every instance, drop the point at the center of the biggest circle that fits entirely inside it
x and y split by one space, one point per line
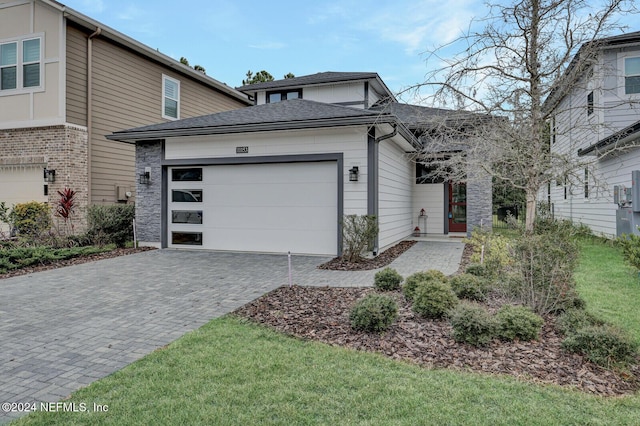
518 322
434 299
467 286
373 313
387 280
472 324
573 320
111 224
412 281
477 269
604 345
12 258
31 219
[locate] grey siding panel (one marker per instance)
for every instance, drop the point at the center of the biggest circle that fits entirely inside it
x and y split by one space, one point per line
76 96
128 93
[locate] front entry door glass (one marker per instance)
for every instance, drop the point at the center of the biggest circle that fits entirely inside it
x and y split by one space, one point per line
457 207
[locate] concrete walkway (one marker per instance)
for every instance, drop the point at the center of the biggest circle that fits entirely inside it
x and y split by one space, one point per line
63 329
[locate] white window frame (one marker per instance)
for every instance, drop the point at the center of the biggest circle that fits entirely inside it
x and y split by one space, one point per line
622 57
20 63
166 78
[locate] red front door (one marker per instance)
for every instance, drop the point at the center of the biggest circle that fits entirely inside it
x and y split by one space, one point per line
457 207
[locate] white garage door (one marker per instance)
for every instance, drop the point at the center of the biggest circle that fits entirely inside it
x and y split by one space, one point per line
277 207
20 184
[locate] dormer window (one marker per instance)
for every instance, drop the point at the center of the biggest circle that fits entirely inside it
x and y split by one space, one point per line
283 95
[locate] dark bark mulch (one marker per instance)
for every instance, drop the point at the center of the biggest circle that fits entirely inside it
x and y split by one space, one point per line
383 259
322 314
75 261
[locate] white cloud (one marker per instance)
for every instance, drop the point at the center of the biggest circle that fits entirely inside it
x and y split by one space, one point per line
420 24
268 45
130 13
92 6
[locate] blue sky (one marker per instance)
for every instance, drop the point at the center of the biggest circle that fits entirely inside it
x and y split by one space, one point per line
230 37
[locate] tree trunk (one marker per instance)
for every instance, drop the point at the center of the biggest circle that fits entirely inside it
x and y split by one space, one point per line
531 212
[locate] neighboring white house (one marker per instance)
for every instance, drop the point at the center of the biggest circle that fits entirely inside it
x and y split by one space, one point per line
280 175
598 124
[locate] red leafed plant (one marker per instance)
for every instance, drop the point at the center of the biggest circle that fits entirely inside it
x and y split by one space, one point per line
66 205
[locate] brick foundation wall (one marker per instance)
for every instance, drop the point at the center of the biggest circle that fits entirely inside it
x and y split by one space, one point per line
60 148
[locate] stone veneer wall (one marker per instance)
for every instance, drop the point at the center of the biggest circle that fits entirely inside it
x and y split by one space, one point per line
148 197
479 200
61 148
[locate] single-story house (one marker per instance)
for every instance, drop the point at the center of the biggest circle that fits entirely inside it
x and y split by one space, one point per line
280 175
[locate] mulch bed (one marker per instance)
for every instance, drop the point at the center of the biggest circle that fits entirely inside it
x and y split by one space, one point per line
322 314
75 261
383 259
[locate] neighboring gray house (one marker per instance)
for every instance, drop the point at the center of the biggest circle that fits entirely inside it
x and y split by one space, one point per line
280 175
597 123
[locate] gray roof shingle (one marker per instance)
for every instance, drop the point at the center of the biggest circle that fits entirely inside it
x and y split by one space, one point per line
291 114
319 78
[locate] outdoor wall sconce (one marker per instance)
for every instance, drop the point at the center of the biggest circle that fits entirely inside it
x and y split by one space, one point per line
353 174
145 178
49 176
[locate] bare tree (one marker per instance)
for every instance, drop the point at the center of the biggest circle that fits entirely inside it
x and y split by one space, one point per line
527 54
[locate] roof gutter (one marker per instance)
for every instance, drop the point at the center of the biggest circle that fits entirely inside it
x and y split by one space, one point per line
96 33
373 180
133 136
619 139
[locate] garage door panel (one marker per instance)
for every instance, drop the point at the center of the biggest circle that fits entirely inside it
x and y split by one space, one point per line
266 207
268 241
271 218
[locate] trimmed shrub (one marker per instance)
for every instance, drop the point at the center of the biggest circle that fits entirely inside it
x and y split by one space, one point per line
573 320
373 313
630 245
467 286
472 324
604 345
477 269
412 281
31 219
496 251
357 233
434 299
111 224
387 280
518 322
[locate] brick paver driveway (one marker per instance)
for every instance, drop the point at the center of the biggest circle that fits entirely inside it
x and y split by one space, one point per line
63 329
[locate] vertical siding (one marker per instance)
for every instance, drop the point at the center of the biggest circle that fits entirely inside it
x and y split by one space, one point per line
396 177
127 93
76 99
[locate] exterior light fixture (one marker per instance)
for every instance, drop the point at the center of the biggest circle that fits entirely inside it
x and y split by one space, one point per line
145 178
49 176
353 174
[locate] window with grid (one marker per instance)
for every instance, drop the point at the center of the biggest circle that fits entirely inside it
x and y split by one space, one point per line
170 98
20 64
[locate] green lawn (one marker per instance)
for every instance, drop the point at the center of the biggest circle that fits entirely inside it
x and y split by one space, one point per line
232 372
610 287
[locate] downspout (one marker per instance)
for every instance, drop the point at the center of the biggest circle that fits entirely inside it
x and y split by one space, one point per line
373 179
96 33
